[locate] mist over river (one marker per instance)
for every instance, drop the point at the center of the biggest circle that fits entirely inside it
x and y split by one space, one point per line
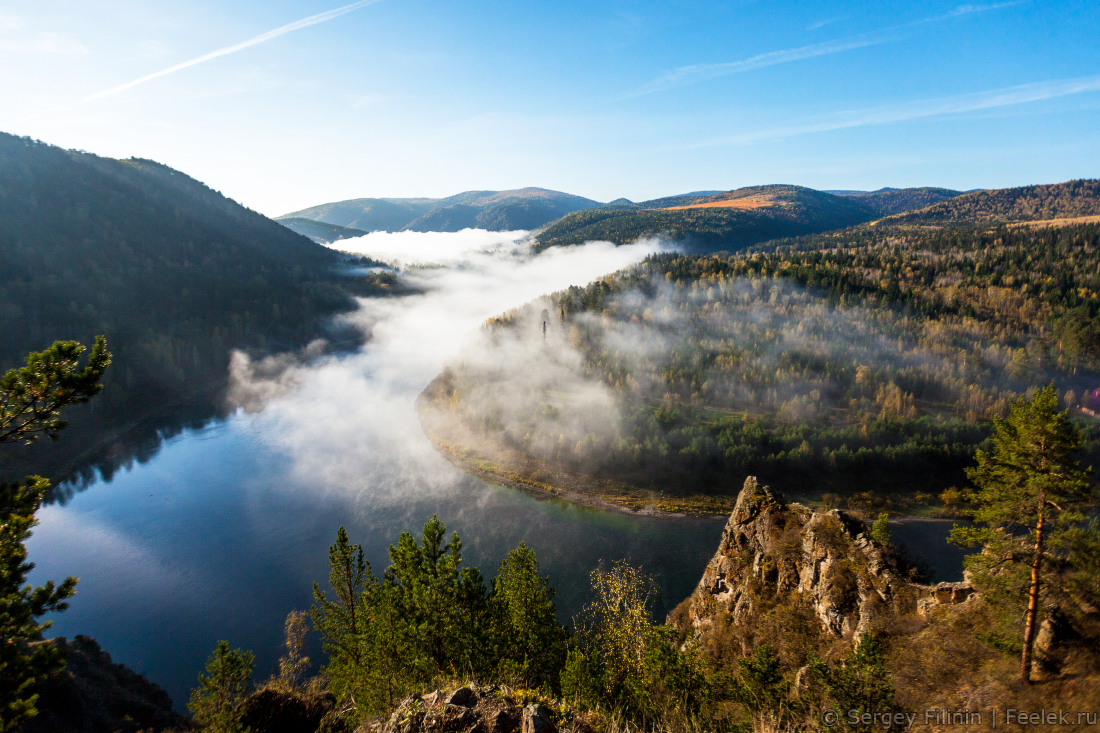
223 530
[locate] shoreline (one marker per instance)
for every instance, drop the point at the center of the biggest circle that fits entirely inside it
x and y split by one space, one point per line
532 488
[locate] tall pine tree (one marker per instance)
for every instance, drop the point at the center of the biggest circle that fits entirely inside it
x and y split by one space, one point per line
1029 491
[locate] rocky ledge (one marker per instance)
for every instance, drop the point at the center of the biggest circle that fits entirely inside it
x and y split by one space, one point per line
774 552
475 709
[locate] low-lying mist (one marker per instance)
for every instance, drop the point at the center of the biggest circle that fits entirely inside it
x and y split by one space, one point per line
348 420
657 381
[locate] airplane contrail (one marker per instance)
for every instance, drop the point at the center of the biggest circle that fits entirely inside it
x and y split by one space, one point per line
262 38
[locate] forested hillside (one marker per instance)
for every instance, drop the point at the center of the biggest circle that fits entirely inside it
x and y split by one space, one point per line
1027 203
319 231
897 200
524 208
172 273
730 221
871 360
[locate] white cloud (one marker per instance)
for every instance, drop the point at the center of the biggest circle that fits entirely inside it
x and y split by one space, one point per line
701 72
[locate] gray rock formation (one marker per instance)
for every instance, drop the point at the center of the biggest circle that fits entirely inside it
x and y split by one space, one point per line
478 710
771 550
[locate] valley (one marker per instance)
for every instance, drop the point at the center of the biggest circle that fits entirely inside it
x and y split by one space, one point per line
601 402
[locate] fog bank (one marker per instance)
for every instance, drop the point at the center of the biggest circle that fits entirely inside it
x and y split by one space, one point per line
348 422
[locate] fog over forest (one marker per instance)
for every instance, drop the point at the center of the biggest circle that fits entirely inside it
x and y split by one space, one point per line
348 420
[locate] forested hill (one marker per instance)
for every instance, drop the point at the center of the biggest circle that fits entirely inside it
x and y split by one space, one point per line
319 231
872 360
896 200
1070 200
172 273
523 208
730 220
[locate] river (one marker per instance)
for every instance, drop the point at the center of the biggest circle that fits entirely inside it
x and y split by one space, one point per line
223 530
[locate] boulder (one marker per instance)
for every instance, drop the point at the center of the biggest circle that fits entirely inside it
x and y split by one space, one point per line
463 697
536 719
279 711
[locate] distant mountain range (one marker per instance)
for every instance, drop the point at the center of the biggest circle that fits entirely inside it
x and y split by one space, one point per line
700 220
522 208
709 222
705 219
896 200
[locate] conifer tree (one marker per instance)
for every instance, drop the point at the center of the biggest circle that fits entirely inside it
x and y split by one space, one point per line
1029 490
227 681
529 641
31 400
445 604
858 684
342 620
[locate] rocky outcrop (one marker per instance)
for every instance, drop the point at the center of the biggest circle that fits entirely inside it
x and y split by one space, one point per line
92 694
772 551
474 709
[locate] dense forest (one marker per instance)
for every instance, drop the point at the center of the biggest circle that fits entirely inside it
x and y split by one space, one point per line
1026 203
762 213
319 231
173 274
897 200
867 361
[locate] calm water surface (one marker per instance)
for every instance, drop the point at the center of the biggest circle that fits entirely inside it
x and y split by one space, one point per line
211 540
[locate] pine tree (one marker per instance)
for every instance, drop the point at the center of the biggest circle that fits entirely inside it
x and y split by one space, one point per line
228 680
342 621
445 604
1029 488
31 399
858 684
762 689
529 641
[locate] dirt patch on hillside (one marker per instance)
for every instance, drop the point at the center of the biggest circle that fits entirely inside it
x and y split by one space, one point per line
748 202
1065 222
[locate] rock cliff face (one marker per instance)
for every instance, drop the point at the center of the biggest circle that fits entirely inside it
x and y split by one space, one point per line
774 552
95 695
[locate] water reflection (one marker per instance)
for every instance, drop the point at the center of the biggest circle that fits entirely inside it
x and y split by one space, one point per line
213 540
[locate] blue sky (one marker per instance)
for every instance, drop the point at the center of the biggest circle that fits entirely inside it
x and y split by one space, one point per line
602 99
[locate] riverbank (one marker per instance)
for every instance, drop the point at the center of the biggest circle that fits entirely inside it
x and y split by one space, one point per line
501 465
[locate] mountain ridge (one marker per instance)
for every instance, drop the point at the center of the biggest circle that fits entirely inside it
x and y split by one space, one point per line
520 208
1070 199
